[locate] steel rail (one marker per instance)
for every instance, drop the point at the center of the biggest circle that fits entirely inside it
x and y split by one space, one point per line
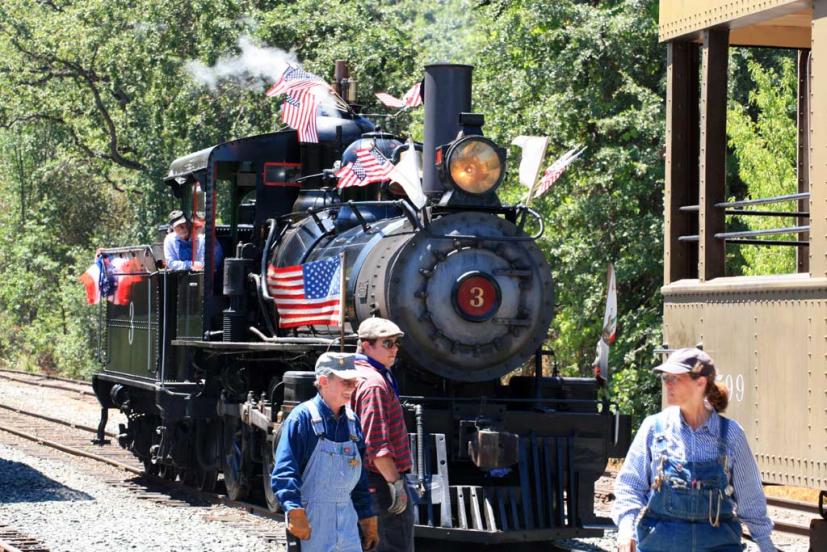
48 385
55 420
45 376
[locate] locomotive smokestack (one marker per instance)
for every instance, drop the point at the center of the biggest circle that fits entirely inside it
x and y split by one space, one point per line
447 94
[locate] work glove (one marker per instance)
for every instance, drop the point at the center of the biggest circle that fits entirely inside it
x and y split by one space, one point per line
298 524
370 532
399 496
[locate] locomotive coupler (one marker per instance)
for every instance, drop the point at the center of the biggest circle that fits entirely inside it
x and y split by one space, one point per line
490 449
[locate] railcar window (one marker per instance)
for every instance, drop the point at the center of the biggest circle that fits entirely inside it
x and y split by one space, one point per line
762 135
737 174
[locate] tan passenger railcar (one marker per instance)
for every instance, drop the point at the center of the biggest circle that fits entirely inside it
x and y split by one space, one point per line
768 334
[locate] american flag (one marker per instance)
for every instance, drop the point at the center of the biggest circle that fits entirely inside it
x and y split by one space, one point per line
307 294
412 98
556 169
293 78
370 166
390 101
299 112
352 174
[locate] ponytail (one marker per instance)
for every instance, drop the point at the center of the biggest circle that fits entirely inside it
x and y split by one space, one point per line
717 394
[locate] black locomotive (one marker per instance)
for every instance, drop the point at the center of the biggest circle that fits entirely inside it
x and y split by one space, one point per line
198 363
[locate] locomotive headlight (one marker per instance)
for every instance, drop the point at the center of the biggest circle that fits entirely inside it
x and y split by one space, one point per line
475 164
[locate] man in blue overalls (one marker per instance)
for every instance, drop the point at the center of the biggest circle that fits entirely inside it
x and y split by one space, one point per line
318 476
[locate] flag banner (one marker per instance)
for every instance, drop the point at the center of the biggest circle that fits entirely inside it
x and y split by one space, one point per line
352 174
390 101
407 173
299 112
91 281
556 169
534 151
370 167
376 165
608 335
308 294
610 318
293 78
412 98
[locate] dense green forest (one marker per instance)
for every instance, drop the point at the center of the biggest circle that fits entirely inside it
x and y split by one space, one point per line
98 96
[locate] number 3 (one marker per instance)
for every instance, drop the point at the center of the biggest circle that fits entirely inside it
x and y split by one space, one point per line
478 297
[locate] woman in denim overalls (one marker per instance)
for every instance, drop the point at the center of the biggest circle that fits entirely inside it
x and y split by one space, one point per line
689 471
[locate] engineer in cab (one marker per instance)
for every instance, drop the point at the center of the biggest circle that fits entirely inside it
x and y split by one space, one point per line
179 251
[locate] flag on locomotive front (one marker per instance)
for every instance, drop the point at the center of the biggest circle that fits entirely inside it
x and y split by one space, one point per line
370 166
307 294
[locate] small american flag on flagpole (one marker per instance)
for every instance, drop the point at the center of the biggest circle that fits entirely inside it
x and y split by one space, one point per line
370 166
299 112
555 170
293 77
308 294
412 98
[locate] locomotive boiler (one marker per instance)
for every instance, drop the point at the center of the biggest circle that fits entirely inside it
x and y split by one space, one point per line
205 372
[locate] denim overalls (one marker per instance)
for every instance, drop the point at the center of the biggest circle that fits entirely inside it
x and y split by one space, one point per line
330 475
690 507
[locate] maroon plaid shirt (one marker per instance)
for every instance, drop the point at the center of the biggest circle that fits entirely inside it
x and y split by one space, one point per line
383 423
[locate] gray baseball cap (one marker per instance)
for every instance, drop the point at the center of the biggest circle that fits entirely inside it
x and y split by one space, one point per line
176 217
684 361
339 364
378 328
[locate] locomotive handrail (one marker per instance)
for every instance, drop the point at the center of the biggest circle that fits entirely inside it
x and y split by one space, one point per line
500 399
526 209
264 293
362 221
300 340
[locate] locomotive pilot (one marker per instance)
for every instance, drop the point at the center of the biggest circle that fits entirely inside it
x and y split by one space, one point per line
388 455
318 477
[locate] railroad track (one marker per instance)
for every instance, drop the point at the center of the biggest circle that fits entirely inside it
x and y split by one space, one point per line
12 540
76 439
52 382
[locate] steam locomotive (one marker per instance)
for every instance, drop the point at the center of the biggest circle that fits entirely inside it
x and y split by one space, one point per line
198 363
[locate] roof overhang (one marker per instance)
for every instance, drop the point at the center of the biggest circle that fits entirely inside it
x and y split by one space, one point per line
771 23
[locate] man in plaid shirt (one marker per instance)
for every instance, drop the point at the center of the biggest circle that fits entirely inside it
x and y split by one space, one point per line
388 453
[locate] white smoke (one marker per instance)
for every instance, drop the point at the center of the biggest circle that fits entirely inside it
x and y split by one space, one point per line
255 68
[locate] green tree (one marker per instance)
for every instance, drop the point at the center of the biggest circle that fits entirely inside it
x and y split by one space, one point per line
762 135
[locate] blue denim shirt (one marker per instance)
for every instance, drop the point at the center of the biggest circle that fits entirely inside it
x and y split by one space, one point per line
296 446
634 481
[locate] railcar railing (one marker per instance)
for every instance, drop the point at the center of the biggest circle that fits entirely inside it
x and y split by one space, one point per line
747 237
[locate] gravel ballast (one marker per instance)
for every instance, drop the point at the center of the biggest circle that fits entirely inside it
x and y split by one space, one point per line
68 511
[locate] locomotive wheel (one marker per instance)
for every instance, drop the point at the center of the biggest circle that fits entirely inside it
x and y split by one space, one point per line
198 478
149 467
167 472
268 455
235 477
206 480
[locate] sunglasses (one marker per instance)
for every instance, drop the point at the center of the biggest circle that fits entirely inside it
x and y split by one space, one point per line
675 378
670 378
389 343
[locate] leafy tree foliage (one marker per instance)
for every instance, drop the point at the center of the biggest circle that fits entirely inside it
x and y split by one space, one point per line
762 135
